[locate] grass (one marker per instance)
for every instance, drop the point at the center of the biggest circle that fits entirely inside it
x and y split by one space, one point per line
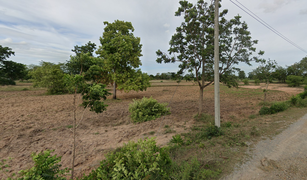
219 154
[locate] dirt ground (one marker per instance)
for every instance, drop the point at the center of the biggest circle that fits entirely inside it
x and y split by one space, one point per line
33 122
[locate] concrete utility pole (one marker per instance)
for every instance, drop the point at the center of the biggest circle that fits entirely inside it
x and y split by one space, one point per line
216 66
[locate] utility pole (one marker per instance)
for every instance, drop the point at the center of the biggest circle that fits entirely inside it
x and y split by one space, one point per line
216 66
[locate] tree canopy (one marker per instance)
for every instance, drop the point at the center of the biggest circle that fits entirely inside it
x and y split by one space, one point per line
5 52
121 52
193 44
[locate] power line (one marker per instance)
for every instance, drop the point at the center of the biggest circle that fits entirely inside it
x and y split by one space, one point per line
253 15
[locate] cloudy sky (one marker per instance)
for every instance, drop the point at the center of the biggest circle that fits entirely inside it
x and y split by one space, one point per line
48 29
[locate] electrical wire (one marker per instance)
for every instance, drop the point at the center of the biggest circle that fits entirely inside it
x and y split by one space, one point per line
253 15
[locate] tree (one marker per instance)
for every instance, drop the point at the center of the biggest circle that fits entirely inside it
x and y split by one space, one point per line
294 81
13 70
49 75
280 74
120 52
5 52
83 59
242 75
193 42
266 70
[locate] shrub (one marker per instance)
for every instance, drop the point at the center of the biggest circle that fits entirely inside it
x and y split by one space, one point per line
278 107
305 88
245 81
194 170
303 95
264 110
257 81
177 139
294 81
294 100
298 100
6 81
141 160
46 167
147 109
213 131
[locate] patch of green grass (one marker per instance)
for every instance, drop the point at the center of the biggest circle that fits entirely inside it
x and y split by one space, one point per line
69 126
252 116
166 126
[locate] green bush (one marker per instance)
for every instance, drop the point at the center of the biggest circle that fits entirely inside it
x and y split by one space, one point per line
6 81
294 81
257 81
46 167
177 139
194 170
299 100
141 160
264 110
147 109
278 107
245 81
303 95
305 88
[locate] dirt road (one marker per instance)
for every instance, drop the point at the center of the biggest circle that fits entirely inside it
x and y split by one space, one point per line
282 157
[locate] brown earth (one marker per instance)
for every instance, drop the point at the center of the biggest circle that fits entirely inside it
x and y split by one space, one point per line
33 122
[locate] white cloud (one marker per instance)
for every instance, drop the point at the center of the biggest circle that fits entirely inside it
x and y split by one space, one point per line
166 25
270 6
303 11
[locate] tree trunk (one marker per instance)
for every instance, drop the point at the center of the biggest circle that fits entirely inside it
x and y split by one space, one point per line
201 99
114 90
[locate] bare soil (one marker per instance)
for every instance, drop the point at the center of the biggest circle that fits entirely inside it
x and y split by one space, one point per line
31 121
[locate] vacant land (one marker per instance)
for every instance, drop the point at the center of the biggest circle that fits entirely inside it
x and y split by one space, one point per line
32 121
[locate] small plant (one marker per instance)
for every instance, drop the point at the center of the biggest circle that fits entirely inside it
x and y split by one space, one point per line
252 116
213 131
152 132
257 81
46 167
226 124
166 126
161 81
245 81
264 110
305 88
206 118
255 131
69 126
141 160
147 109
25 89
177 139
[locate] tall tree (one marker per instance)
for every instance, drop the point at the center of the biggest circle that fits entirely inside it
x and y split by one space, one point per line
120 51
193 42
280 74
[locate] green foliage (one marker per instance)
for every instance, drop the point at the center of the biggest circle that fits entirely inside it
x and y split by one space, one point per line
242 75
299 100
120 52
5 52
294 81
305 88
13 70
49 75
6 81
147 109
193 170
213 131
141 160
177 139
265 70
92 93
245 81
265 110
226 124
257 81
46 167
275 108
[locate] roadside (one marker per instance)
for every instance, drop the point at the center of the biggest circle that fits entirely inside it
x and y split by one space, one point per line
283 157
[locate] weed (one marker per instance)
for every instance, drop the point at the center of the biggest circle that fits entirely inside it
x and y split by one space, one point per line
264 110
166 126
255 131
206 118
69 126
152 132
226 124
252 116
177 139
169 131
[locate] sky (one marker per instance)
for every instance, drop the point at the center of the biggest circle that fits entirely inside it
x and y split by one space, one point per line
47 30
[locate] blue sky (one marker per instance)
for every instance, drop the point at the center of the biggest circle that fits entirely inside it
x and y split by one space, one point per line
48 29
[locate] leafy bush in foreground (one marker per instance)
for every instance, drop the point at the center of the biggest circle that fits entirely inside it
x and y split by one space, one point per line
46 168
264 110
6 81
141 160
147 109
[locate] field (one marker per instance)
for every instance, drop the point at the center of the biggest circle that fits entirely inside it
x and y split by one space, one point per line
32 121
